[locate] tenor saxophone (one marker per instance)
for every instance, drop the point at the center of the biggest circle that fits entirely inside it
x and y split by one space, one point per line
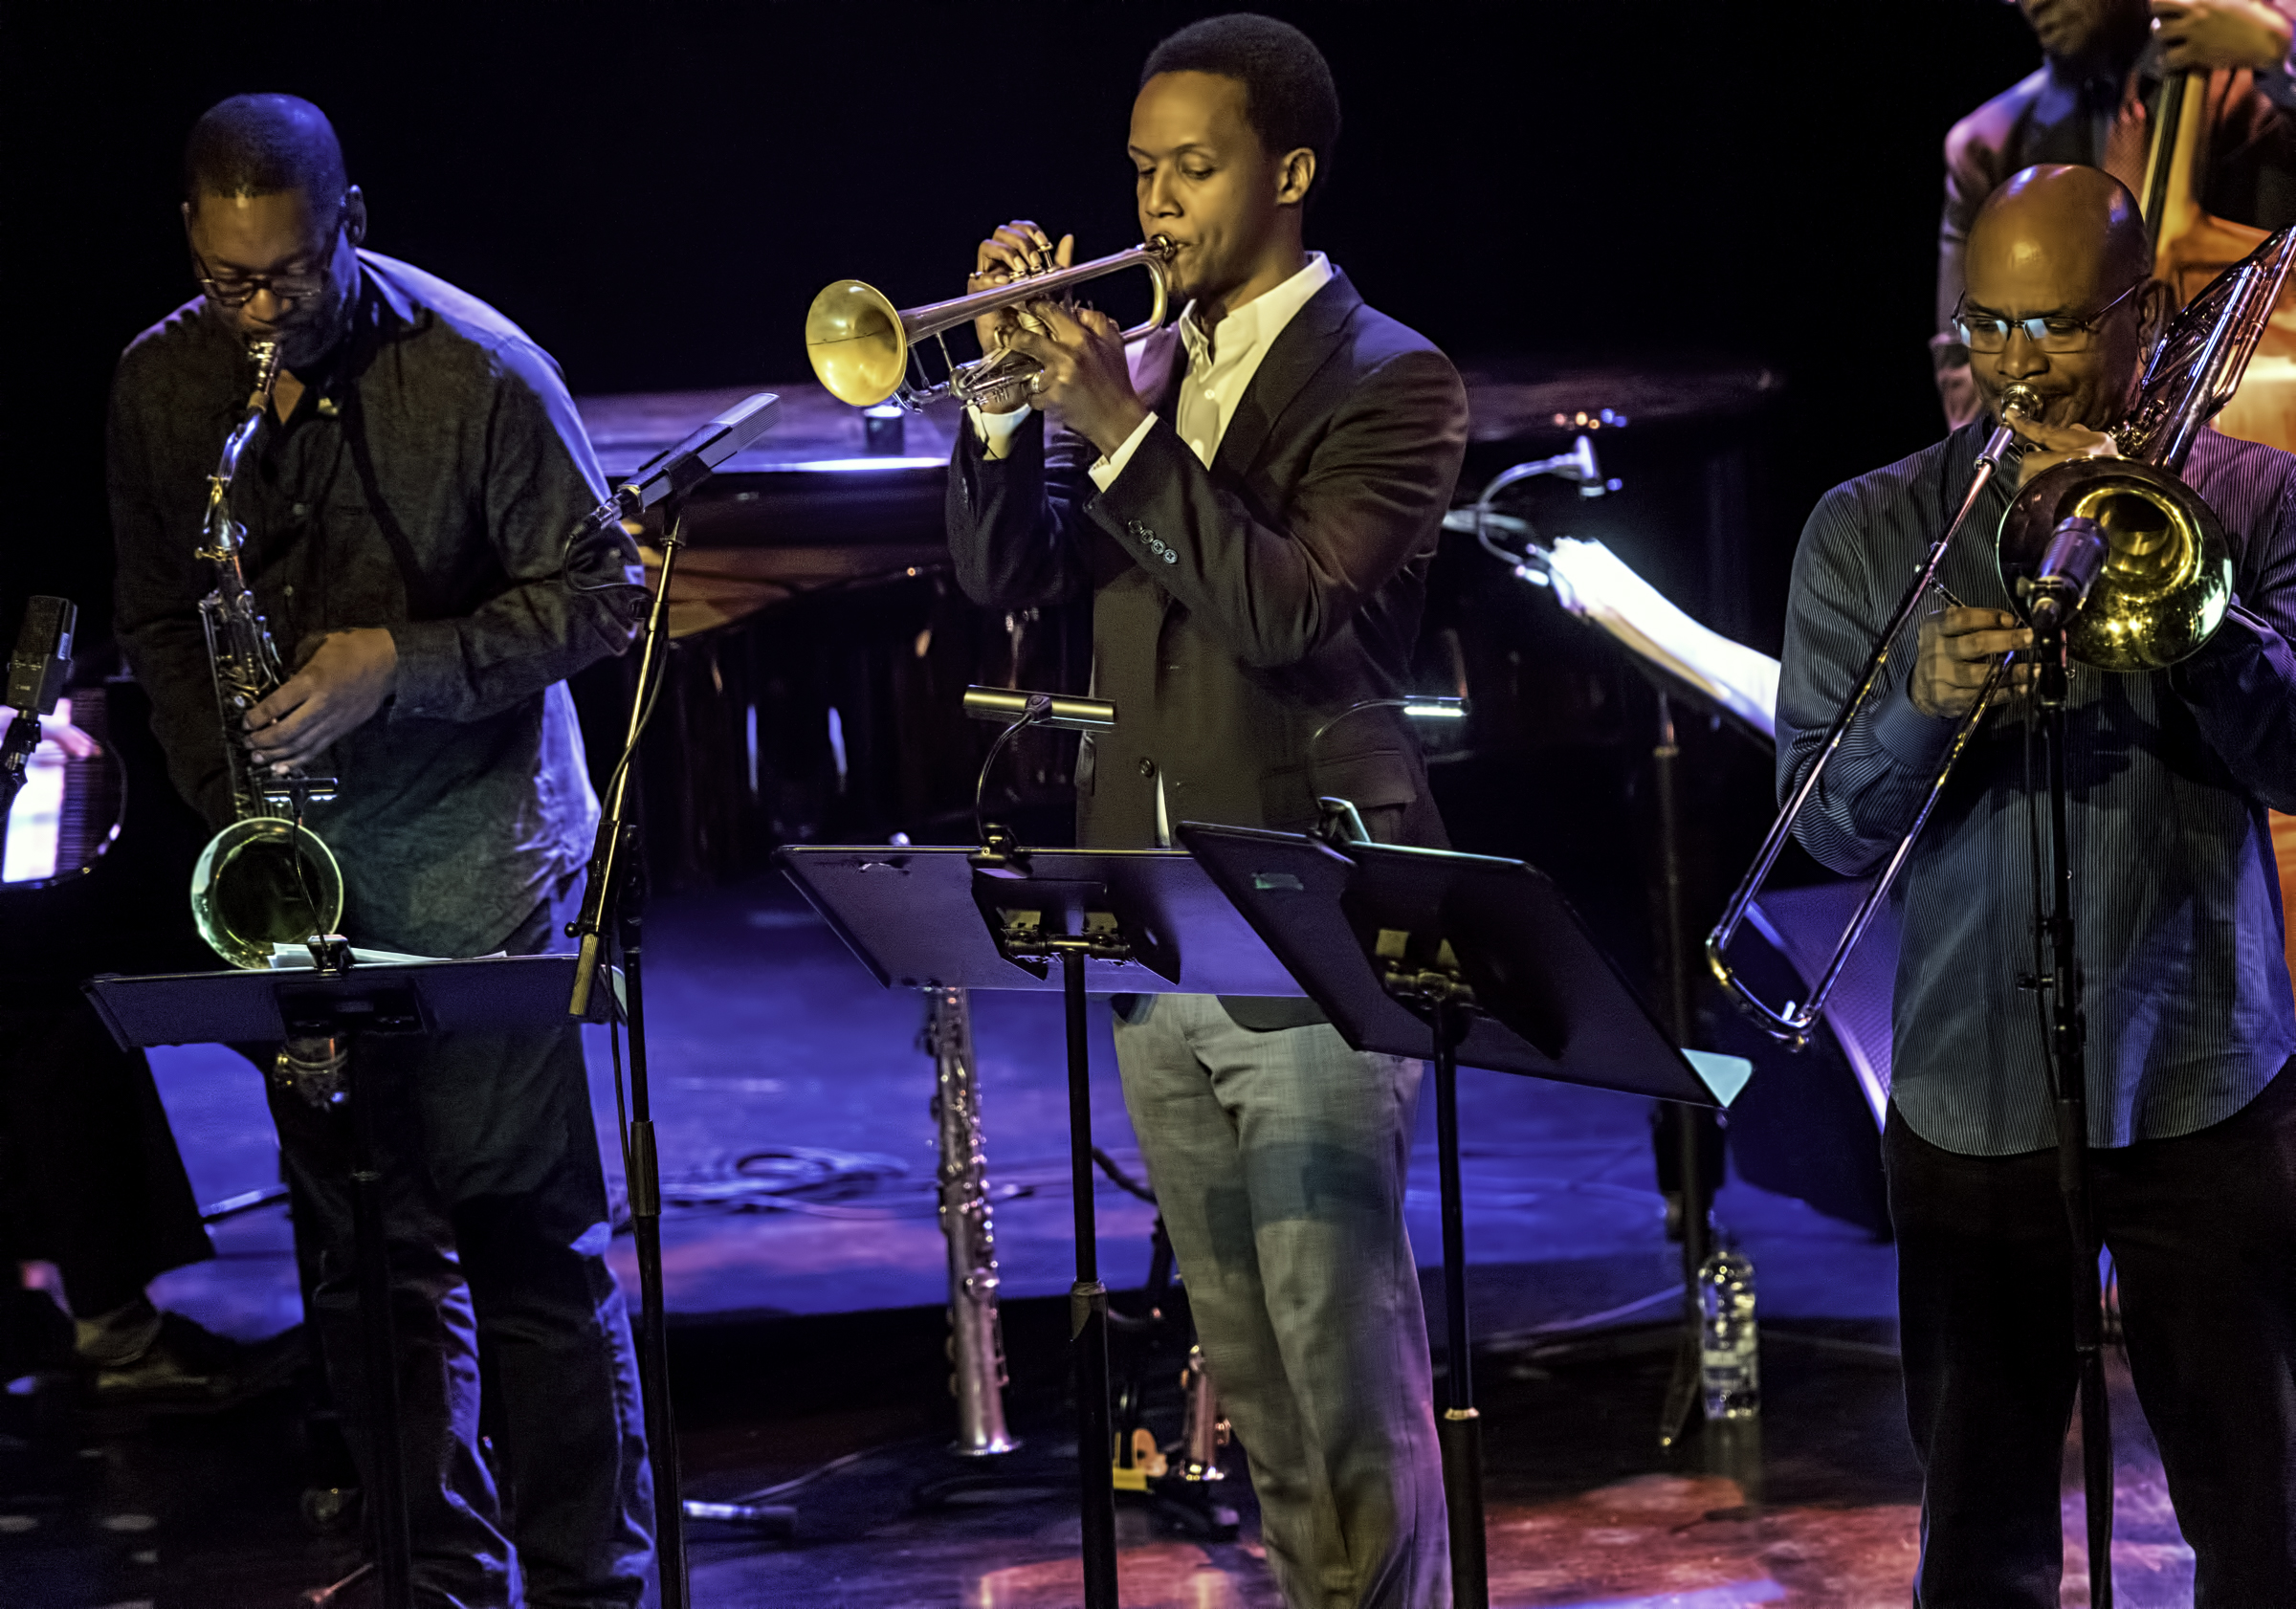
976 1338
266 878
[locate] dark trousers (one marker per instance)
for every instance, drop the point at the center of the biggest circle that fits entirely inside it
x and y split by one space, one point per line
497 1219
90 1177
2202 1230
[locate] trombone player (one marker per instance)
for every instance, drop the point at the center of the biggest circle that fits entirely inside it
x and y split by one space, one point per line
2191 1020
1251 501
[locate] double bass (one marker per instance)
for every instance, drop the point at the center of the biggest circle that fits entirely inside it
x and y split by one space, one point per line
2190 248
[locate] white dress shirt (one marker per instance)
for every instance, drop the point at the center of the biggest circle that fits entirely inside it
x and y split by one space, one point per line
1220 363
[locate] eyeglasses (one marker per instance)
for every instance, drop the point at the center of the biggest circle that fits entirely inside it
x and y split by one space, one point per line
1989 332
237 290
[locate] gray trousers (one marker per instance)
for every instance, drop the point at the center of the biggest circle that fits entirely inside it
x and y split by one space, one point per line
1278 1161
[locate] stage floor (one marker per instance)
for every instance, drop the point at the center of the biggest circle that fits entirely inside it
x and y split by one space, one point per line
807 1328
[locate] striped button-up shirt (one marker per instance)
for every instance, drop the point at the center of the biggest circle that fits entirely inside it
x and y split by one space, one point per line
2176 901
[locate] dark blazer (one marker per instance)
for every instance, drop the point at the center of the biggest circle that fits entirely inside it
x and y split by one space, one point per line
1237 609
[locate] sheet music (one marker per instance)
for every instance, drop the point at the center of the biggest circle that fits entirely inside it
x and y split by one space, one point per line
1596 585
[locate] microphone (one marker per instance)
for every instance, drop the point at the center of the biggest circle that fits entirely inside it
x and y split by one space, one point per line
2069 566
35 680
690 463
43 655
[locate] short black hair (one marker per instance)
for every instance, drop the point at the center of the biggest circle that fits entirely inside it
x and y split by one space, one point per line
262 144
1289 96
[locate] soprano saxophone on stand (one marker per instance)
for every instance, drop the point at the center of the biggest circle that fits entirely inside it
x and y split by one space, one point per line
266 878
976 1337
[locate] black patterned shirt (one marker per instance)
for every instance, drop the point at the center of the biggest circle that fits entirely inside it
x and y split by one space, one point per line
426 483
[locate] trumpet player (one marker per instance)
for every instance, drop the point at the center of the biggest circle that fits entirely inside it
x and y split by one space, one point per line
406 507
2191 1023
1251 501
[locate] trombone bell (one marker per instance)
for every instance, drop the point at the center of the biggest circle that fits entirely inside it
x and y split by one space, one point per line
2168 572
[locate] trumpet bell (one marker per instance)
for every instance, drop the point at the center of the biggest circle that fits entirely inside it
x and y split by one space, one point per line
2167 578
263 881
857 343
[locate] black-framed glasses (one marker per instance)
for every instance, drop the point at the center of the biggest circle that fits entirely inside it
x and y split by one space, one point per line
237 290
2053 332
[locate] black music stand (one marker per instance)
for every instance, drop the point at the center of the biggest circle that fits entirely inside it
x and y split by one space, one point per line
335 997
1479 961
1116 921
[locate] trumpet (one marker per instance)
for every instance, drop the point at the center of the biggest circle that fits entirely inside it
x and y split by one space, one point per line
2161 592
864 349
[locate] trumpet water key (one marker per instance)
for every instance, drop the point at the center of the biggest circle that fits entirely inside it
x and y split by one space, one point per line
266 878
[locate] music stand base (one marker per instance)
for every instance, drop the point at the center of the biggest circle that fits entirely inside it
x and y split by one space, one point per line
1460 1431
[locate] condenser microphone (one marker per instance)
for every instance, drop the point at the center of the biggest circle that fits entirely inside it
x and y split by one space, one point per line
2069 566
35 680
43 655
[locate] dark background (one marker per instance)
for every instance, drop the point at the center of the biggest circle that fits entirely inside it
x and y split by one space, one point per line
655 193
656 190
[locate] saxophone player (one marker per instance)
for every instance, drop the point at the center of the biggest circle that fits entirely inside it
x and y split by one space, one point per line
406 505
1251 503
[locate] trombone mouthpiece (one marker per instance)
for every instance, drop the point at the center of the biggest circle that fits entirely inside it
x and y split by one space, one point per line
2022 399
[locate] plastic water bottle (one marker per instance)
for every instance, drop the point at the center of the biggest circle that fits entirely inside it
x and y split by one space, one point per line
1730 1361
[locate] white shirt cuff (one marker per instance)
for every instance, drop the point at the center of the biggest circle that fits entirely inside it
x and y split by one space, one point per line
1104 472
996 431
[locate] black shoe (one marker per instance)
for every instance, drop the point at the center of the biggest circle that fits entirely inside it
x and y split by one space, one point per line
191 1370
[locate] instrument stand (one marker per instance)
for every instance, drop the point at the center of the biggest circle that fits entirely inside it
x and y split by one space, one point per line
614 897
2069 1073
1188 1487
1116 921
1479 961
15 753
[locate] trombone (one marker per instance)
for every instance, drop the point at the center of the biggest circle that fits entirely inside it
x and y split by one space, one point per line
864 348
2164 585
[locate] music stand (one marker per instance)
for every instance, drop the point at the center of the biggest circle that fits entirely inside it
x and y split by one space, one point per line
338 998
1116 921
1475 959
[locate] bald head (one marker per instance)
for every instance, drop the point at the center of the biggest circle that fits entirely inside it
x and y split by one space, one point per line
264 144
2058 219
2066 245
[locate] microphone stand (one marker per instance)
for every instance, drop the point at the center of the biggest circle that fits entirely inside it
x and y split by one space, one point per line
615 895
15 753
2069 1091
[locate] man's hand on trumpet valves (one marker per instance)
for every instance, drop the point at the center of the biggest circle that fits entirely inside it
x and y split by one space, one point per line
1012 250
1956 654
1085 374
